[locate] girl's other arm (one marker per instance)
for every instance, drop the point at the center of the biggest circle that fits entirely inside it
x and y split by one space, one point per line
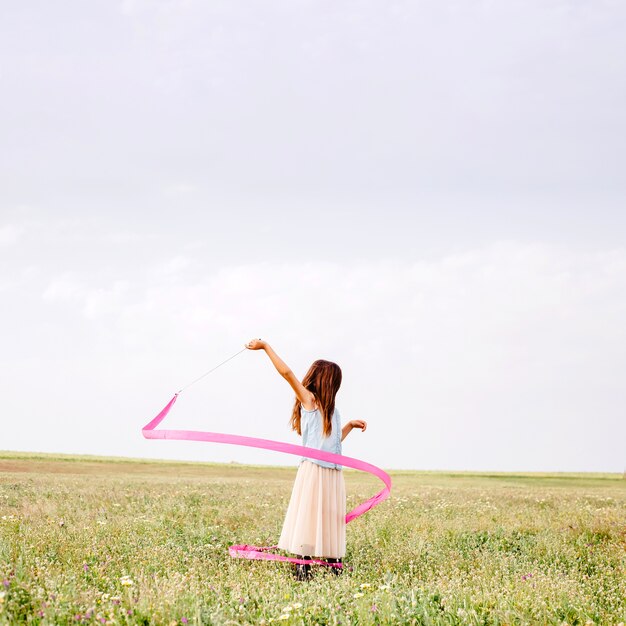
345 431
303 394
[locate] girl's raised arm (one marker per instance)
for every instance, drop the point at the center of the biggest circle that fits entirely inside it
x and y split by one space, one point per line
302 393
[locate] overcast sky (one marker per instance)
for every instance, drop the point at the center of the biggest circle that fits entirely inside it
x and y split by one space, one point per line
430 193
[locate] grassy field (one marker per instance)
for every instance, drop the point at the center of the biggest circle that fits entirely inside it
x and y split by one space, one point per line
87 540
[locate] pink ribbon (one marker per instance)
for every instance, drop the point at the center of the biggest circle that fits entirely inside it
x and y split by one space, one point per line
259 552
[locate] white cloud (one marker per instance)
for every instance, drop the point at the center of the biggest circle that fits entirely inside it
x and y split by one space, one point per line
102 302
470 357
173 266
64 287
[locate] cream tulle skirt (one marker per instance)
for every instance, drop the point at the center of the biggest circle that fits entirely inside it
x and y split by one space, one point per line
315 524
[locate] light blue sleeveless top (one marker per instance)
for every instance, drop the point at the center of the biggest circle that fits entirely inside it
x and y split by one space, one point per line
313 435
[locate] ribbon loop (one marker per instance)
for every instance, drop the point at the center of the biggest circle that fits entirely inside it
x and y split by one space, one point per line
258 552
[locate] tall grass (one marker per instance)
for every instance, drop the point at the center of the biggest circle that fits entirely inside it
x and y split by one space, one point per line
113 541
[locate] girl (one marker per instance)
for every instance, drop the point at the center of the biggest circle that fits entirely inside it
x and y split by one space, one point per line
315 522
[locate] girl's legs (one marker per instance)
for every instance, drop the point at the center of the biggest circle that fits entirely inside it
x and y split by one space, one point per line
303 570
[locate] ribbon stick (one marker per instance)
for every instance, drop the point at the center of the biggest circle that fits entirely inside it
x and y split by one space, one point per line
258 552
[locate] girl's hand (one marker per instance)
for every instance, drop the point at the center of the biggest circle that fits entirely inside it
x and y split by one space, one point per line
362 424
256 344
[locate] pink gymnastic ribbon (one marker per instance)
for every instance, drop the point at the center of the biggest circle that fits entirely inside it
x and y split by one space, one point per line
258 552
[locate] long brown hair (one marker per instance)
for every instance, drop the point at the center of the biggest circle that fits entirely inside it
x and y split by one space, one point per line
323 380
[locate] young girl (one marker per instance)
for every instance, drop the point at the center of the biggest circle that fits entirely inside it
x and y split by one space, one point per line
315 523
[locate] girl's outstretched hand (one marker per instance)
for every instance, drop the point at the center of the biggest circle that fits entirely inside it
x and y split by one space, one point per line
256 344
362 424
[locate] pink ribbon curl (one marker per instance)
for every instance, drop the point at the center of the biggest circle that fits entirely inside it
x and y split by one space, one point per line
259 552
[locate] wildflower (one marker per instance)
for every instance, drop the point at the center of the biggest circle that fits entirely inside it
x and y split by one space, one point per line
2 594
283 617
358 594
374 608
297 605
85 567
365 585
287 609
184 620
127 581
384 587
6 583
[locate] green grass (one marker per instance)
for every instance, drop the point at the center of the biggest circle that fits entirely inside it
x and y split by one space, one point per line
90 540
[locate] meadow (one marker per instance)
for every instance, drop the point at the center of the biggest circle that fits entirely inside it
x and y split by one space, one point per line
87 540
